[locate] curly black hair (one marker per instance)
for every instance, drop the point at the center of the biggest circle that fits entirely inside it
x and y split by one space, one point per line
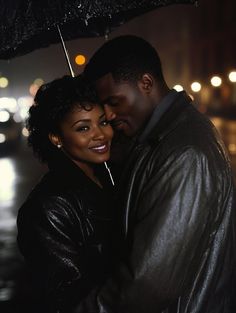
52 102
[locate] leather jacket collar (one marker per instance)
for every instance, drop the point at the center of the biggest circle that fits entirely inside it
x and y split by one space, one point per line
170 119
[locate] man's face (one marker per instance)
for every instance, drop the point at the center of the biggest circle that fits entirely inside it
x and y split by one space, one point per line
126 105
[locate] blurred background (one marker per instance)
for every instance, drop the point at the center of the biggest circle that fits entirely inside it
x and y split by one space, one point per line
197 48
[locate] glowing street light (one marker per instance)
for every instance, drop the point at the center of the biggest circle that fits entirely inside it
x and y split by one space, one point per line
178 88
232 76
80 59
25 132
3 82
2 138
38 82
33 89
8 103
216 81
196 86
4 116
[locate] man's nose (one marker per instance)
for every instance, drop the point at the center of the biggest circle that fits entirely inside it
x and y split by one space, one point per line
110 114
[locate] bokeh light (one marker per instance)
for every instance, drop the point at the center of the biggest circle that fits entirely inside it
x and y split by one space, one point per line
38 81
9 103
7 180
24 105
4 116
3 82
216 81
2 138
232 76
178 88
25 132
33 89
196 86
80 59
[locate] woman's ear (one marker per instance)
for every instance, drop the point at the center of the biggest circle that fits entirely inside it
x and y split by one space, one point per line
146 83
55 140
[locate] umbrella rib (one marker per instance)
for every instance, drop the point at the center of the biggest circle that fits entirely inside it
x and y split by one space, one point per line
65 52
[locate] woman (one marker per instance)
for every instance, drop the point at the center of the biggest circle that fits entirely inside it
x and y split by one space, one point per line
65 225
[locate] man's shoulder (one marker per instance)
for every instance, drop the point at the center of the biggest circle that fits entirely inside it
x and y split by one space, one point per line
193 131
191 127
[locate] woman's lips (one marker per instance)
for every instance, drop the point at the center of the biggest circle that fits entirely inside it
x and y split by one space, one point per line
103 148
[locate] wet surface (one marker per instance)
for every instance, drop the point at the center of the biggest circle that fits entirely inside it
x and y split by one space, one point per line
19 172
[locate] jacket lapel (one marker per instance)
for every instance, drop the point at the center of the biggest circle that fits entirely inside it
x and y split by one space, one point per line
170 119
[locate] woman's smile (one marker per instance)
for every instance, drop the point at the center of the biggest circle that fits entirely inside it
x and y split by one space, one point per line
102 148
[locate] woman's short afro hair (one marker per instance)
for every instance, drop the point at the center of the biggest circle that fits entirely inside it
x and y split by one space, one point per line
52 102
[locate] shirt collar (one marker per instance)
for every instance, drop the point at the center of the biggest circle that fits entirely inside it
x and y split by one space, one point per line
160 109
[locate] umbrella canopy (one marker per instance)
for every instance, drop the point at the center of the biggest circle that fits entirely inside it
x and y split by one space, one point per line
26 25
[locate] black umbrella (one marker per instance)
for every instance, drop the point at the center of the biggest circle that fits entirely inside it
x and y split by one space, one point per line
27 25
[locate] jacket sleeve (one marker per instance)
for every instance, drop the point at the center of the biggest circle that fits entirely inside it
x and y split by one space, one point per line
53 245
169 234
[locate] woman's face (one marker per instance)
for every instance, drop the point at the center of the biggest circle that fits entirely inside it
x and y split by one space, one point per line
86 136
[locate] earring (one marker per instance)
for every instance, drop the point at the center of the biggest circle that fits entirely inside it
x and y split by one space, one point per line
59 146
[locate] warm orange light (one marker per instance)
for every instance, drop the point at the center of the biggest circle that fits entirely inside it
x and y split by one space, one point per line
38 82
33 89
80 59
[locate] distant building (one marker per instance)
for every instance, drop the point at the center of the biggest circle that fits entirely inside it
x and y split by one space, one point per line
212 48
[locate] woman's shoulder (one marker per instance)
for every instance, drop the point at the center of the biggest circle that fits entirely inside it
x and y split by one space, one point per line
52 197
72 201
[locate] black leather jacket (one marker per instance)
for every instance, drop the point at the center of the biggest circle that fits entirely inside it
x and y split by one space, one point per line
65 233
179 222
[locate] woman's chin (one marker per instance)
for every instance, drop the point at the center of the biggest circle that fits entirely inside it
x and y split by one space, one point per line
102 159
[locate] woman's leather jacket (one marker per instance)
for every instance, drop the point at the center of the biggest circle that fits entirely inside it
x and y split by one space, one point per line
65 233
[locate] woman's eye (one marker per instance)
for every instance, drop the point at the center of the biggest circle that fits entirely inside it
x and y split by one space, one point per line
82 129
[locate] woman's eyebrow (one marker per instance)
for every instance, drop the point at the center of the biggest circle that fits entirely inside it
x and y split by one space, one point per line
82 120
87 120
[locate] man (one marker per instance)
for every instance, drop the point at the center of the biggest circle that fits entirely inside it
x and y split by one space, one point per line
177 191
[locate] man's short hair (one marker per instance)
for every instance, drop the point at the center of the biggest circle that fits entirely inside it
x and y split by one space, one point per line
127 58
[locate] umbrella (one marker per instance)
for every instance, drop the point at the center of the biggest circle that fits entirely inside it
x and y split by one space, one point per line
27 25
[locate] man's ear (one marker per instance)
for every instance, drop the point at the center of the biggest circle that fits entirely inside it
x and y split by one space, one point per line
146 83
55 140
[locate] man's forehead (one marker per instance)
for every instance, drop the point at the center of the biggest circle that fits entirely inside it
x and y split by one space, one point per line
108 82
105 81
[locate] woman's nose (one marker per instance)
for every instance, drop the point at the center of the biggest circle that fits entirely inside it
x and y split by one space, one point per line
110 115
98 134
